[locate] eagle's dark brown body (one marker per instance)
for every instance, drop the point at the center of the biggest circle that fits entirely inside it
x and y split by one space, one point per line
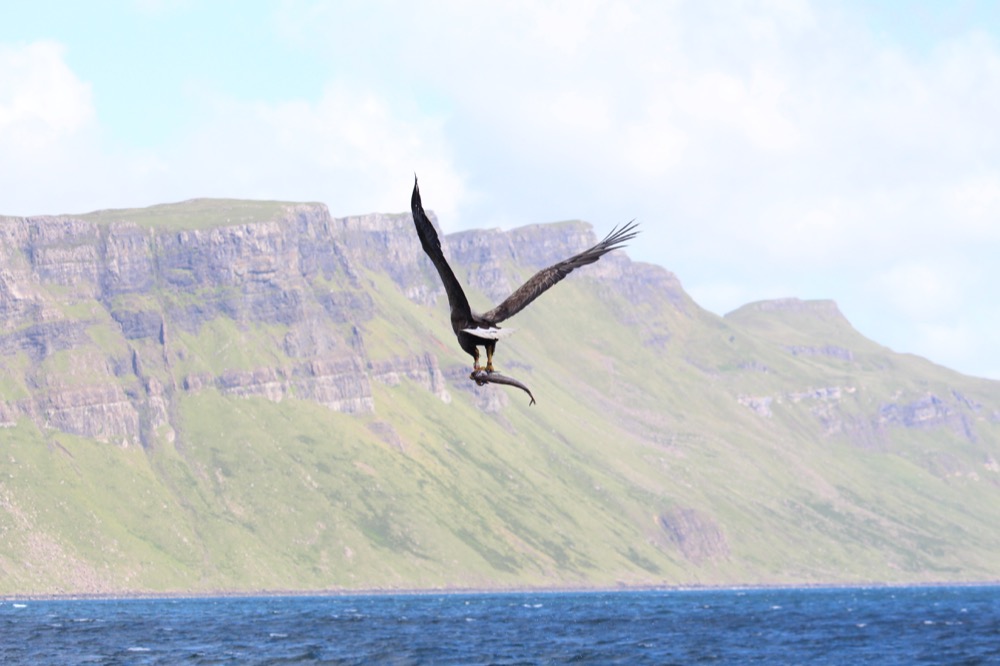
475 330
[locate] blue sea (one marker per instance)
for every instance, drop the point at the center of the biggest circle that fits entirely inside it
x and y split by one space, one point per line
928 625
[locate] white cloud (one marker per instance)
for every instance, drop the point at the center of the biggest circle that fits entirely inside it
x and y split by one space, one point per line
350 149
760 143
960 344
563 26
654 144
48 132
975 204
575 111
42 102
925 291
948 340
159 7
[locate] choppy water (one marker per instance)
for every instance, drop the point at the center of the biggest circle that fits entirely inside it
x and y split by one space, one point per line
946 625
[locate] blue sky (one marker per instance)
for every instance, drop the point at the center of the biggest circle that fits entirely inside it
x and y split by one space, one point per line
844 150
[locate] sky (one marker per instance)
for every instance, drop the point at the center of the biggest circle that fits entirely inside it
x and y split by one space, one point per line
845 150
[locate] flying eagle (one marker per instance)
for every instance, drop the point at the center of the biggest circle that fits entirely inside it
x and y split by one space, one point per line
480 330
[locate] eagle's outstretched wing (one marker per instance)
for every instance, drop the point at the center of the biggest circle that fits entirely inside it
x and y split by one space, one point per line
432 246
547 277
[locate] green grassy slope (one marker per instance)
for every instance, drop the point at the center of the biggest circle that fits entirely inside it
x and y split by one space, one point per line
668 446
194 214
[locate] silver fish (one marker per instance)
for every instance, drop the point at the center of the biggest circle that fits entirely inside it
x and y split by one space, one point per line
482 377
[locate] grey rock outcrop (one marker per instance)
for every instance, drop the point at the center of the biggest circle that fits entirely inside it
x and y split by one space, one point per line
694 533
136 287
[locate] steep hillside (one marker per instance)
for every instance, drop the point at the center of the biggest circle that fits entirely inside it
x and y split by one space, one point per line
229 395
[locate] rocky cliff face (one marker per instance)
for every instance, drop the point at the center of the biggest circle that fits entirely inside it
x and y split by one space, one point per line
271 389
870 416
97 312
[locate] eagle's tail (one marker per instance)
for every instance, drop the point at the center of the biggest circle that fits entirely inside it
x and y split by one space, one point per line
491 333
